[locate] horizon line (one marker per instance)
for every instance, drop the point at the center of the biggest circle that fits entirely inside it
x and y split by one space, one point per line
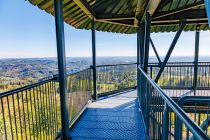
91 56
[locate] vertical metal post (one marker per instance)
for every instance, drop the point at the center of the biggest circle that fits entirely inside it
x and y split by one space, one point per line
141 78
146 41
165 121
145 84
94 61
173 44
138 63
141 43
61 67
197 35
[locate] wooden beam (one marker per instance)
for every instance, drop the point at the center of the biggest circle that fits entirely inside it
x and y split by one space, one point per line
178 10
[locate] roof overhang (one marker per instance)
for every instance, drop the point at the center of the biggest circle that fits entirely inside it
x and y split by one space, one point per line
124 16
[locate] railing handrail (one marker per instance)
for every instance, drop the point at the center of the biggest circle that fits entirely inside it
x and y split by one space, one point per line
156 64
69 74
116 64
195 129
10 92
194 99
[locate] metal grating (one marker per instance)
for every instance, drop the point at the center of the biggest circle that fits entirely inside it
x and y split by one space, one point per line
115 117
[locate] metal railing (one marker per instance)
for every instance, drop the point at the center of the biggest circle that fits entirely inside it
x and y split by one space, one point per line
33 112
116 77
159 111
198 109
79 92
30 112
178 78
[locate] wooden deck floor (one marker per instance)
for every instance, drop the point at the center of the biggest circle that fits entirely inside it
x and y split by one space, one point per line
113 117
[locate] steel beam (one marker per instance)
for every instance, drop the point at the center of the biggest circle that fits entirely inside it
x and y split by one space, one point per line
156 53
146 41
145 87
94 61
61 67
138 63
180 9
141 90
197 36
141 37
188 15
160 6
173 44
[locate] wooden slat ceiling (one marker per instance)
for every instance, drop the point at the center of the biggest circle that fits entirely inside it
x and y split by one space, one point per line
124 16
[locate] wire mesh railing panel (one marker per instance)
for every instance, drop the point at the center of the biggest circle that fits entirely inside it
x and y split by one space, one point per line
79 91
116 77
31 112
161 113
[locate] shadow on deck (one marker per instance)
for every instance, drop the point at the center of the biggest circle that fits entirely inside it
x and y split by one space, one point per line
112 117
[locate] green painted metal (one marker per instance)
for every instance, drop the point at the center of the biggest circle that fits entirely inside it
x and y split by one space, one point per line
146 41
165 128
120 15
138 63
94 61
197 36
62 68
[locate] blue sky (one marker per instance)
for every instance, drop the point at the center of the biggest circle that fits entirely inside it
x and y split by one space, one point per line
26 31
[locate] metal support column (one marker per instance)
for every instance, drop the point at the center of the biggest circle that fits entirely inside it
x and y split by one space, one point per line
197 35
141 43
61 67
146 42
173 44
138 63
94 61
165 120
145 85
141 90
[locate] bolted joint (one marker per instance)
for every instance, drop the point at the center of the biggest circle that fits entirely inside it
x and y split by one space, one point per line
56 77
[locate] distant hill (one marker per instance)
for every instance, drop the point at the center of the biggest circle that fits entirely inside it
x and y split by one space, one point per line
22 71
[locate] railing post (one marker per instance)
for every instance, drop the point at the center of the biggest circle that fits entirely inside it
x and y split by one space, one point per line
138 63
145 67
61 67
197 35
141 58
94 61
165 122
146 42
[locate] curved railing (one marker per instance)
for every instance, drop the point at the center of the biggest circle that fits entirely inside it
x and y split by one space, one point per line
33 111
155 105
198 109
115 78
